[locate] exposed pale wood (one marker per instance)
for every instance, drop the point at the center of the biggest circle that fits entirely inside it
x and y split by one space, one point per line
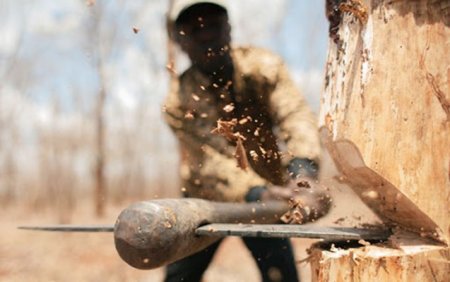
387 97
417 263
385 119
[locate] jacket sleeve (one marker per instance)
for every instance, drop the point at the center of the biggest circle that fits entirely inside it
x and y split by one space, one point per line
230 182
214 174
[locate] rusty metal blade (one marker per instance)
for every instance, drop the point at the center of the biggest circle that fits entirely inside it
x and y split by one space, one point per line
71 228
288 231
381 196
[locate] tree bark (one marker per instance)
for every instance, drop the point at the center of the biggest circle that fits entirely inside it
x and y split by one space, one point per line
385 117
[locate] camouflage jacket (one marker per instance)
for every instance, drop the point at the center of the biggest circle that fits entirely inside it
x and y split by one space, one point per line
270 114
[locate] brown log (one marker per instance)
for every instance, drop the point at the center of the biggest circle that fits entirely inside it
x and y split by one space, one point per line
385 119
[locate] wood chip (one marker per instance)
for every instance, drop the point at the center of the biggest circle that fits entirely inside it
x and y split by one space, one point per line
303 184
363 242
171 68
254 155
241 155
229 108
243 121
195 97
226 129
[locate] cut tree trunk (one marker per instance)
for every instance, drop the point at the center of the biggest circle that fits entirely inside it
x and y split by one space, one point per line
414 261
385 120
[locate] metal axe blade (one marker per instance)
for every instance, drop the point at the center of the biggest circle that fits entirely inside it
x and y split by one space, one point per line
290 231
71 228
249 230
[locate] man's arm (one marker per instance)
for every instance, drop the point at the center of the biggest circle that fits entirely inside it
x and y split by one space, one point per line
298 129
218 176
296 122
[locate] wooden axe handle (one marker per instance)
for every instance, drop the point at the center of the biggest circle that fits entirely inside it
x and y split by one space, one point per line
155 233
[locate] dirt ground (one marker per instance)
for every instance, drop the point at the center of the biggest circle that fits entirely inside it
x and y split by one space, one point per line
45 256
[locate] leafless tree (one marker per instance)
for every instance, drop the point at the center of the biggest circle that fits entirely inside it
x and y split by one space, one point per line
101 35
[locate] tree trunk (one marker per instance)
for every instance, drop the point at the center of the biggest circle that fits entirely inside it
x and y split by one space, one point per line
385 118
414 261
100 187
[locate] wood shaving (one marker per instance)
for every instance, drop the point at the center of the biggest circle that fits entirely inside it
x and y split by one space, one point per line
262 150
189 115
339 220
243 121
303 184
241 155
195 97
333 248
254 155
226 129
229 108
363 242
171 68
305 260
295 215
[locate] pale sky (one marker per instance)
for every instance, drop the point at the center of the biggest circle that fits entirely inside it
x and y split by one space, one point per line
53 43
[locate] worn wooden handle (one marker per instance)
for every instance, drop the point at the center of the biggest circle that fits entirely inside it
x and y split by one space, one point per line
155 233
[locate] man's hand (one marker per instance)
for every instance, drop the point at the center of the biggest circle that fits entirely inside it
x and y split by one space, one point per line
308 198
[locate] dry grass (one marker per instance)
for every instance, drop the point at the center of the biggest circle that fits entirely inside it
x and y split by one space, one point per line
42 256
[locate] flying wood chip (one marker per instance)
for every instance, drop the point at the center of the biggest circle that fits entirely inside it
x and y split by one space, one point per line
229 108
171 68
241 155
226 129
297 214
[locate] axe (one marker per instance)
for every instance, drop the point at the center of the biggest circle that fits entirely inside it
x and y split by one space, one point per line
155 233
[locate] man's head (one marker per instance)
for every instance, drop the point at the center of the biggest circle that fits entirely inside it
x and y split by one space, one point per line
203 32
